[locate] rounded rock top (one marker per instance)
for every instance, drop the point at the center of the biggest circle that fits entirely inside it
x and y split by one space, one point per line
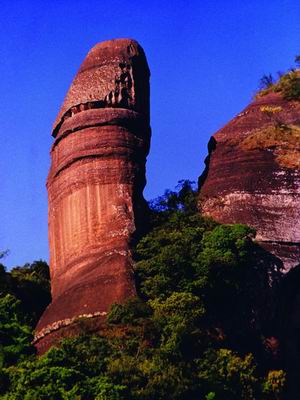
114 74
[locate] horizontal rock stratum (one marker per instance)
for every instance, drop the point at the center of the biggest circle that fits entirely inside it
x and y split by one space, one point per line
95 187
252 175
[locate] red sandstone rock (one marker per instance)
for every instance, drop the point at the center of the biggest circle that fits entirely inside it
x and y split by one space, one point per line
252 175
95 187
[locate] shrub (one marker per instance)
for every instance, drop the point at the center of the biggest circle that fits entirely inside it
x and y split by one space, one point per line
288 85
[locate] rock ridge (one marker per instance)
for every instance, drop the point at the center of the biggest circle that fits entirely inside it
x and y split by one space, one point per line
252 174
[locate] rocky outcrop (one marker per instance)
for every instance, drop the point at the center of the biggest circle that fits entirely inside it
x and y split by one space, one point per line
252 174
95 185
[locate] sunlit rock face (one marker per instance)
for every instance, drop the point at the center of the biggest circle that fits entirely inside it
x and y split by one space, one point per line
95 186
252 175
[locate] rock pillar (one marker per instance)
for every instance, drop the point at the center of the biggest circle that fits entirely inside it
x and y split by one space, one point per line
95 187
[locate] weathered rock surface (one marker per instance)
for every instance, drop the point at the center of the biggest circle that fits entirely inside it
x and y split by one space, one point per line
252 175
95 185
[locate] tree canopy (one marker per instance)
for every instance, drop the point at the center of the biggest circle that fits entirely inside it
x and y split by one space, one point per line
197 329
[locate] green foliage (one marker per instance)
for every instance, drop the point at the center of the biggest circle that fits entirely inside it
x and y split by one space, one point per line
24 294
130 312
179 320
27 284
167 257
218 263
195 330
184 199
38 272
73 371
15 335
4 283
288 85
229 376
227 245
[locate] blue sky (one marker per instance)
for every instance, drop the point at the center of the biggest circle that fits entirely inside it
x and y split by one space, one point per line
206 59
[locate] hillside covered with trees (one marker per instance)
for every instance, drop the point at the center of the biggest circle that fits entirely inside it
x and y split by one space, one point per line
204 324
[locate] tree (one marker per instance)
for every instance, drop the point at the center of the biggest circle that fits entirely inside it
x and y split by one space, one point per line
229 376
31 282
15 334
179 319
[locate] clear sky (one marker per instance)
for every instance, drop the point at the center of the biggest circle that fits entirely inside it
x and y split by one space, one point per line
206 58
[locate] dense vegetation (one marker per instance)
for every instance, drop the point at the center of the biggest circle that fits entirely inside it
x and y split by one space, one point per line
201 327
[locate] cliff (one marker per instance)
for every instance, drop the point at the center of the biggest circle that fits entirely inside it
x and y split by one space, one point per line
252 173
95 184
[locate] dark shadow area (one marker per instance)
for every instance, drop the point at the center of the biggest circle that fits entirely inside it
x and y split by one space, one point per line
211 146
288 316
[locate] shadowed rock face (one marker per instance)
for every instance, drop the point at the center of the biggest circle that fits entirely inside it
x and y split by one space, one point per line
95 185
252 175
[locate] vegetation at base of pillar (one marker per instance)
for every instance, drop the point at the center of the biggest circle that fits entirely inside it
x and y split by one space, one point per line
202 327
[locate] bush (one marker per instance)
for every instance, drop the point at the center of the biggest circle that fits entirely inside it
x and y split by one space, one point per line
288 85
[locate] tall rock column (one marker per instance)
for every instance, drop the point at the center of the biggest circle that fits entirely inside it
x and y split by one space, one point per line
252 174
95 187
